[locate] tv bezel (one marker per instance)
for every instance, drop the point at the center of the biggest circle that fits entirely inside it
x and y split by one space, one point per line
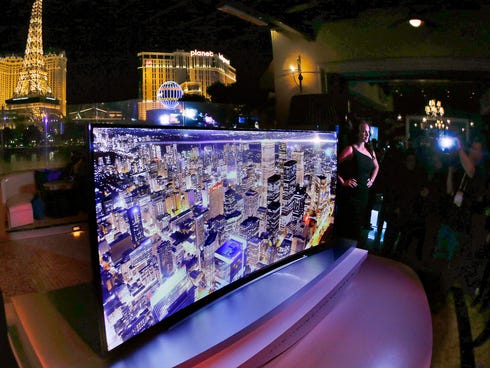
187 311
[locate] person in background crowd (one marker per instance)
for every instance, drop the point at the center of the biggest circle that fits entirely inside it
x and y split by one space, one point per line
466 188
392 157
434 208
358 168
410 193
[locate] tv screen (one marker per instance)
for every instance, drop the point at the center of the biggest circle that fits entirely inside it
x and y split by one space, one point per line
374 133
182 215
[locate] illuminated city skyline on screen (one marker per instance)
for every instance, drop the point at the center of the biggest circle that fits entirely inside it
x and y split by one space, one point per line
181 213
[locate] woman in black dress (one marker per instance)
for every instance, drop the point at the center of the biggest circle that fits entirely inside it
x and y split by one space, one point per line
358 168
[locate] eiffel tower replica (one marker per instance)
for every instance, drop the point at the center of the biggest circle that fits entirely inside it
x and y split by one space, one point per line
32 98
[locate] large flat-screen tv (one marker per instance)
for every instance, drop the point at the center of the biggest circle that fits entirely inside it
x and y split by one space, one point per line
181 216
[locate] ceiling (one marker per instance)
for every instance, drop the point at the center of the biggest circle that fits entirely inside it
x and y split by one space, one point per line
305 16
461 91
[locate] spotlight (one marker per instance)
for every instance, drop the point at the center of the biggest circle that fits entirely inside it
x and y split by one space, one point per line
76 231
416 22
446 143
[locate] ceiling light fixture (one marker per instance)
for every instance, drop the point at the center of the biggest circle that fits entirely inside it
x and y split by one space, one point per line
434 114
416 22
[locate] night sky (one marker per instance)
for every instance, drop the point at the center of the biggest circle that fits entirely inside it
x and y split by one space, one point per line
102 38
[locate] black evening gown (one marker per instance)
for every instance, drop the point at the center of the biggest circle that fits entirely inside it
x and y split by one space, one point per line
352 202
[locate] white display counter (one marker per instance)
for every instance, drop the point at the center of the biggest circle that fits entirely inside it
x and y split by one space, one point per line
317 309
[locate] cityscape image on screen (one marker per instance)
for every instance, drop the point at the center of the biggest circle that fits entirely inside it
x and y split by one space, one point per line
181 213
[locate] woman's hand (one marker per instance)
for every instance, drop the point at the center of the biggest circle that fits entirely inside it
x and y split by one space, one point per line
370 182
351 183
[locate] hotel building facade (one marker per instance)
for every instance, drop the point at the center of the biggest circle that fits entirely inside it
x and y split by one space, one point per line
194 71
10 68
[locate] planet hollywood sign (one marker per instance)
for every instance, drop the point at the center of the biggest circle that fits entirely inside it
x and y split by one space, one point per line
209 54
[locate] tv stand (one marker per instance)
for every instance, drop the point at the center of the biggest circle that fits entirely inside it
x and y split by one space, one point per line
258 321
356 311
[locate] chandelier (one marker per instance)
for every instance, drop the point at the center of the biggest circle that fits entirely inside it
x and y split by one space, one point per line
434 116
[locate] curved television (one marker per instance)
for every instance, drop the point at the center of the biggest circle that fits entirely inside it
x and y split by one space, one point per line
181 216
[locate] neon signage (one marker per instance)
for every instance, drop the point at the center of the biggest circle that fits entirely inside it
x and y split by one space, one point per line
209 54
223 59
202 53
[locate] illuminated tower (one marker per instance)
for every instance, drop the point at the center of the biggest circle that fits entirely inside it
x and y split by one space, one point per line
273 189
194 71
249 228
273 213
289 186
299 157
273 204
229 261
253 252
56 69
321 192
210 246
299 200
268 162
136 224
165 259
200 214
11 66
33 95
9 74
251 203
216 200
283 155
33 78
230 204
